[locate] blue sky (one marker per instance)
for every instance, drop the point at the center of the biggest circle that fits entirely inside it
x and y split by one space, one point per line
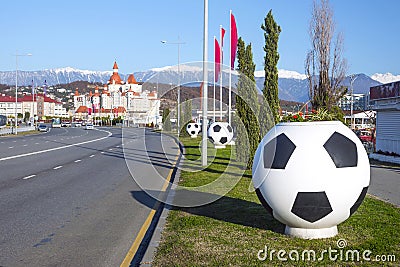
92 34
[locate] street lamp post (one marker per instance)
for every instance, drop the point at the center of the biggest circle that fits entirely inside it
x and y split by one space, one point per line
205 86
179 79
16 89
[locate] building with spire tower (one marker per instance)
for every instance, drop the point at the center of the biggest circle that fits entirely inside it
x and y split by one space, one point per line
119 99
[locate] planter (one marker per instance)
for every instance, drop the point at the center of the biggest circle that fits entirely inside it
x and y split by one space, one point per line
311 176
220 134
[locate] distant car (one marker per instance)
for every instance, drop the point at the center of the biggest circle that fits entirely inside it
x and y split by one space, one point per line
77 124
65 124
89 126
43 128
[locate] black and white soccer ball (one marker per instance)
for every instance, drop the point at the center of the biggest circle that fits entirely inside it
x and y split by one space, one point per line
193 129
220 134
311 175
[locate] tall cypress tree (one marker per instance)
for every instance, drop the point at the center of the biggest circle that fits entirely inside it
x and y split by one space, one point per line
248 132
186 116
270 90
166 120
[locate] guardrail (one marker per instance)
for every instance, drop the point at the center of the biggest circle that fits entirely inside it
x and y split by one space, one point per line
10 130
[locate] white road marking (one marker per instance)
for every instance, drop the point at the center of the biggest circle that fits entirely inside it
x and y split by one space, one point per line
29 177
10 147
58 148
102 152
37 143
110 149
78 160
58 167
91 156
25 145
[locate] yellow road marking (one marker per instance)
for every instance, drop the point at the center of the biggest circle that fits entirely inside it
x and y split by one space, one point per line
139 238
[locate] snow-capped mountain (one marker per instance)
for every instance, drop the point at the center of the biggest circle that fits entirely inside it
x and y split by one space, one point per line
385 78
292 85
284 74
54 76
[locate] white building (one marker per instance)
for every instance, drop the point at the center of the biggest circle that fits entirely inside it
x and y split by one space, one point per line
386 101
7 106
119 98
37 105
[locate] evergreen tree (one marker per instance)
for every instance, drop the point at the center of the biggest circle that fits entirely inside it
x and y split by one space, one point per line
270 90
186 116
166 120
248 132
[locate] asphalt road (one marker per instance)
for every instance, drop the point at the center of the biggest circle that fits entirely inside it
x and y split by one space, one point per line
67 197
385 184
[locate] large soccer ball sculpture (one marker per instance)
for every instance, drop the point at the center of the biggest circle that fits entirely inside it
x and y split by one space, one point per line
311 176
193 129
220 134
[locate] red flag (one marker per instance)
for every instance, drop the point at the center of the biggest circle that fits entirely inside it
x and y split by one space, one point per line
234 40
222 36
217 59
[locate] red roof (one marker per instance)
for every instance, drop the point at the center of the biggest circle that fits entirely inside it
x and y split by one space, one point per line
115 77
27 98
119 110
132 80
82 109
8 99
115 65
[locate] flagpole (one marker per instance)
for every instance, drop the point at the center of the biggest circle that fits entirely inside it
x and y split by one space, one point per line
230 67
221 42
33 101
205 87
215 50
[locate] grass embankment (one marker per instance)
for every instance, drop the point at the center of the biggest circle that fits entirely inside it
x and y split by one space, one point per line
232 230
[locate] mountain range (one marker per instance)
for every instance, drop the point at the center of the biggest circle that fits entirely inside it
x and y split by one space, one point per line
292 85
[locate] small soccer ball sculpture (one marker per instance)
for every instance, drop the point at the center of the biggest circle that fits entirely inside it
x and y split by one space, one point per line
193 129
220 134
311 176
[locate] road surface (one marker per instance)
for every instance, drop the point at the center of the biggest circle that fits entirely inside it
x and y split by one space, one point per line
385 184
67 197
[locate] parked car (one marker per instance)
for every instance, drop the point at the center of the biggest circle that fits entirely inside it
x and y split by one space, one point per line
65 124
43 128
89 126
365 136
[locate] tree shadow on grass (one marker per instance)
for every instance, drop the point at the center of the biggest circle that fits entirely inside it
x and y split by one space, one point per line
225 208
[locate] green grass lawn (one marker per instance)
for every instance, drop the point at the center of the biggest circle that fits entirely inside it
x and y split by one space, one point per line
232 230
